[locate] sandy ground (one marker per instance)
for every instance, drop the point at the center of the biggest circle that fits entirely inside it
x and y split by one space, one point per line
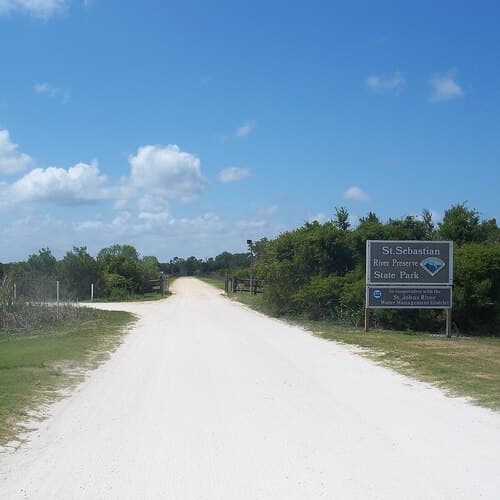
208 400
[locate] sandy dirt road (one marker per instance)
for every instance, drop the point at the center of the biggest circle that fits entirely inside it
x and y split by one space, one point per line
208 400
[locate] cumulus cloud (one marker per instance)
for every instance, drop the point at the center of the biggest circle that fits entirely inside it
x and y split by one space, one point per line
11 160
39 8
233 174
444 87
167 170
152 204
381 83
355 193
81 183
53 92
245 129
159 232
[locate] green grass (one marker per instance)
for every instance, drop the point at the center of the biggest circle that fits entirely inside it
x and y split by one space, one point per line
35 365
216 282
145 297
464 366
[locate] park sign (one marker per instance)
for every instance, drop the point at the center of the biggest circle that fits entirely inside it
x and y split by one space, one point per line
409 263
409 274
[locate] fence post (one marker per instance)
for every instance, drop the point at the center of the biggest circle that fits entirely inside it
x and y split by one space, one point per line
57 295
92 292
15 291
448 322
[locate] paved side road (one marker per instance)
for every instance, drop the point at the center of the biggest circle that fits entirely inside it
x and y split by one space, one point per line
208 400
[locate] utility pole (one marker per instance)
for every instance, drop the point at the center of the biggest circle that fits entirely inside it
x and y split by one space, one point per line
250 247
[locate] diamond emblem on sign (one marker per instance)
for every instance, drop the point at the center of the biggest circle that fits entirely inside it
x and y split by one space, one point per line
432 265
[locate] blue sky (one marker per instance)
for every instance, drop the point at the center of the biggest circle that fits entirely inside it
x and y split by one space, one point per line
187 127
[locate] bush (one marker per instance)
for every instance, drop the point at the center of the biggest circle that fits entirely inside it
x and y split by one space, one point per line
477 287
320 298
319 270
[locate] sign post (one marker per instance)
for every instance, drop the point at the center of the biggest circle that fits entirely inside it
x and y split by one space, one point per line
409 275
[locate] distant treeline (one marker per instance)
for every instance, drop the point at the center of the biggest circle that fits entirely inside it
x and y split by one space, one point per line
220 265
318 270
117 272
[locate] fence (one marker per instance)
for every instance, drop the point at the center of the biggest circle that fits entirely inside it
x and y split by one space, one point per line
241 285
160 285
44 291
31 303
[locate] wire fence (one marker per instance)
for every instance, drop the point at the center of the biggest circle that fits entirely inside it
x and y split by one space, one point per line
43 291
30 304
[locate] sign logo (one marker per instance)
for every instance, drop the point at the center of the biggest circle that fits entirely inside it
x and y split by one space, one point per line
432 265
377 294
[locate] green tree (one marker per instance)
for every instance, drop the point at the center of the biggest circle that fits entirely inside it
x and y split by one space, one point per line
43 263
120 260
341 219
463 225
78 269
149 269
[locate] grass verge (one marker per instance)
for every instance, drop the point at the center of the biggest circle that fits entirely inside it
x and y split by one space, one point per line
216 282
463 366
145 297
35 366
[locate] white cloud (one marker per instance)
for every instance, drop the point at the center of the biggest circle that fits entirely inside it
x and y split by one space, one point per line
121 204
11 160
39 8
168 171
445 87
380 83
266 211
154 232
245 129
233 174
252 223
152 204
81 183
45 88
355 193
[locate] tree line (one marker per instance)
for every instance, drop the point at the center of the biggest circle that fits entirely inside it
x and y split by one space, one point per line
117 272
318 270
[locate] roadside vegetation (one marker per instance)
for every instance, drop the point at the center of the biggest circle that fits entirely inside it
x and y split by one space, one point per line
318 270
118 273
36 363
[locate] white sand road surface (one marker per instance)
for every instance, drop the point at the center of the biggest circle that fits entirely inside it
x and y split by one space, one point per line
206 399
